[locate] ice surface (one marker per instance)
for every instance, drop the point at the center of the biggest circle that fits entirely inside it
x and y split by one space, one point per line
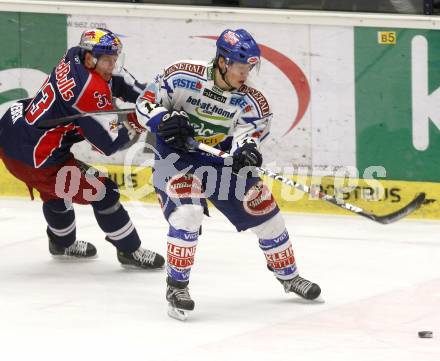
381 284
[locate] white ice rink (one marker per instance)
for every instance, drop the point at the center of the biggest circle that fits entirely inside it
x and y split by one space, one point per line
381 284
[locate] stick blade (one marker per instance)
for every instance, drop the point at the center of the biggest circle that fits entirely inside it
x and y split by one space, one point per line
402 212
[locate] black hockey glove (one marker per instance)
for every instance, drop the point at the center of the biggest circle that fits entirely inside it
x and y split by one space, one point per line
174 129
246 156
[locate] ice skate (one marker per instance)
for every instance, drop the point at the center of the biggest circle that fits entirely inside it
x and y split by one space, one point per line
79 249
141 258
179 299
302 287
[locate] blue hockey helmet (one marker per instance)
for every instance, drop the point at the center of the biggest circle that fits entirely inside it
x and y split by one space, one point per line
100 41
238 46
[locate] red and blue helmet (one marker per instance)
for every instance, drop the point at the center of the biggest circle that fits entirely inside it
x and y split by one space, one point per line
100 41
238 46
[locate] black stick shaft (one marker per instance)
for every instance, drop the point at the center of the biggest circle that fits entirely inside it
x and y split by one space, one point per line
385 219
49 123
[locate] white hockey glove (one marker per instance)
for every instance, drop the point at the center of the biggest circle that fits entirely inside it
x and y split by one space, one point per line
145 112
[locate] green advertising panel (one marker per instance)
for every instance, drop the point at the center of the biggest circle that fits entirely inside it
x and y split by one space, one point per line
397 74
28 41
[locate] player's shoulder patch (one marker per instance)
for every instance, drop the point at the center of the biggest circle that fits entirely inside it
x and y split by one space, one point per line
258 97
186 66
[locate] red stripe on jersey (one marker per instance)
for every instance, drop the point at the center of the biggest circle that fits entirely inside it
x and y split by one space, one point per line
49 142
96 95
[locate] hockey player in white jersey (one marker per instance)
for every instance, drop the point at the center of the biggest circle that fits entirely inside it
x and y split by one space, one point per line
211 102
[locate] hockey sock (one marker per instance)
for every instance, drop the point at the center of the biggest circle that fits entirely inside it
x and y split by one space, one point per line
183 235
115 221
274 241
60 220
181 248
279 255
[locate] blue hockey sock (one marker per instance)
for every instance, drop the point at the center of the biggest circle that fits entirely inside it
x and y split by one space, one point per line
60 220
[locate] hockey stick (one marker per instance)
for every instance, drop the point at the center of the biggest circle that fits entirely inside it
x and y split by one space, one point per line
385 219
49 123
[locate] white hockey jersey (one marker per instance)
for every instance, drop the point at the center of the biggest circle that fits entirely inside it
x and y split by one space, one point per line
220 118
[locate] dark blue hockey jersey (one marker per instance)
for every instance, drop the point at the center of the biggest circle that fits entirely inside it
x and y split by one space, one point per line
70 89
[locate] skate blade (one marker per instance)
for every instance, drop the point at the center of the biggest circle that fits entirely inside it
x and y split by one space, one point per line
177 313
319 299
132 267
303 300
64 258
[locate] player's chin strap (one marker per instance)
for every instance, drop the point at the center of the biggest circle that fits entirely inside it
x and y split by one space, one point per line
95 62
385 219
223 75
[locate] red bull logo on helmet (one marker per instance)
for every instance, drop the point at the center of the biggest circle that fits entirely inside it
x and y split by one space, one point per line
101 41
90 34
231 38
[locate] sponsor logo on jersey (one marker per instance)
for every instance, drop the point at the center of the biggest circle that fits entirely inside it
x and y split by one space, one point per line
187 84
209 110
210 94
259 200
190 68
241 102
212 140
16 112
207 132
216 89
258 96
64 84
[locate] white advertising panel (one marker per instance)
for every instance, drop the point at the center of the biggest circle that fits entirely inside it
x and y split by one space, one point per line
307 75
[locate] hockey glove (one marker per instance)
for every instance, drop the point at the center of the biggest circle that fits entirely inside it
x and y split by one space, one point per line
174 129
246 156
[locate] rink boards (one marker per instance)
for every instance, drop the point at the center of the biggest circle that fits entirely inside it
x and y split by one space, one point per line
380 197
346 89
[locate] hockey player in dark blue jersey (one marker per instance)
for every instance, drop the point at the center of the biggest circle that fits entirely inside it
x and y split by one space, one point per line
85 80
214 103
